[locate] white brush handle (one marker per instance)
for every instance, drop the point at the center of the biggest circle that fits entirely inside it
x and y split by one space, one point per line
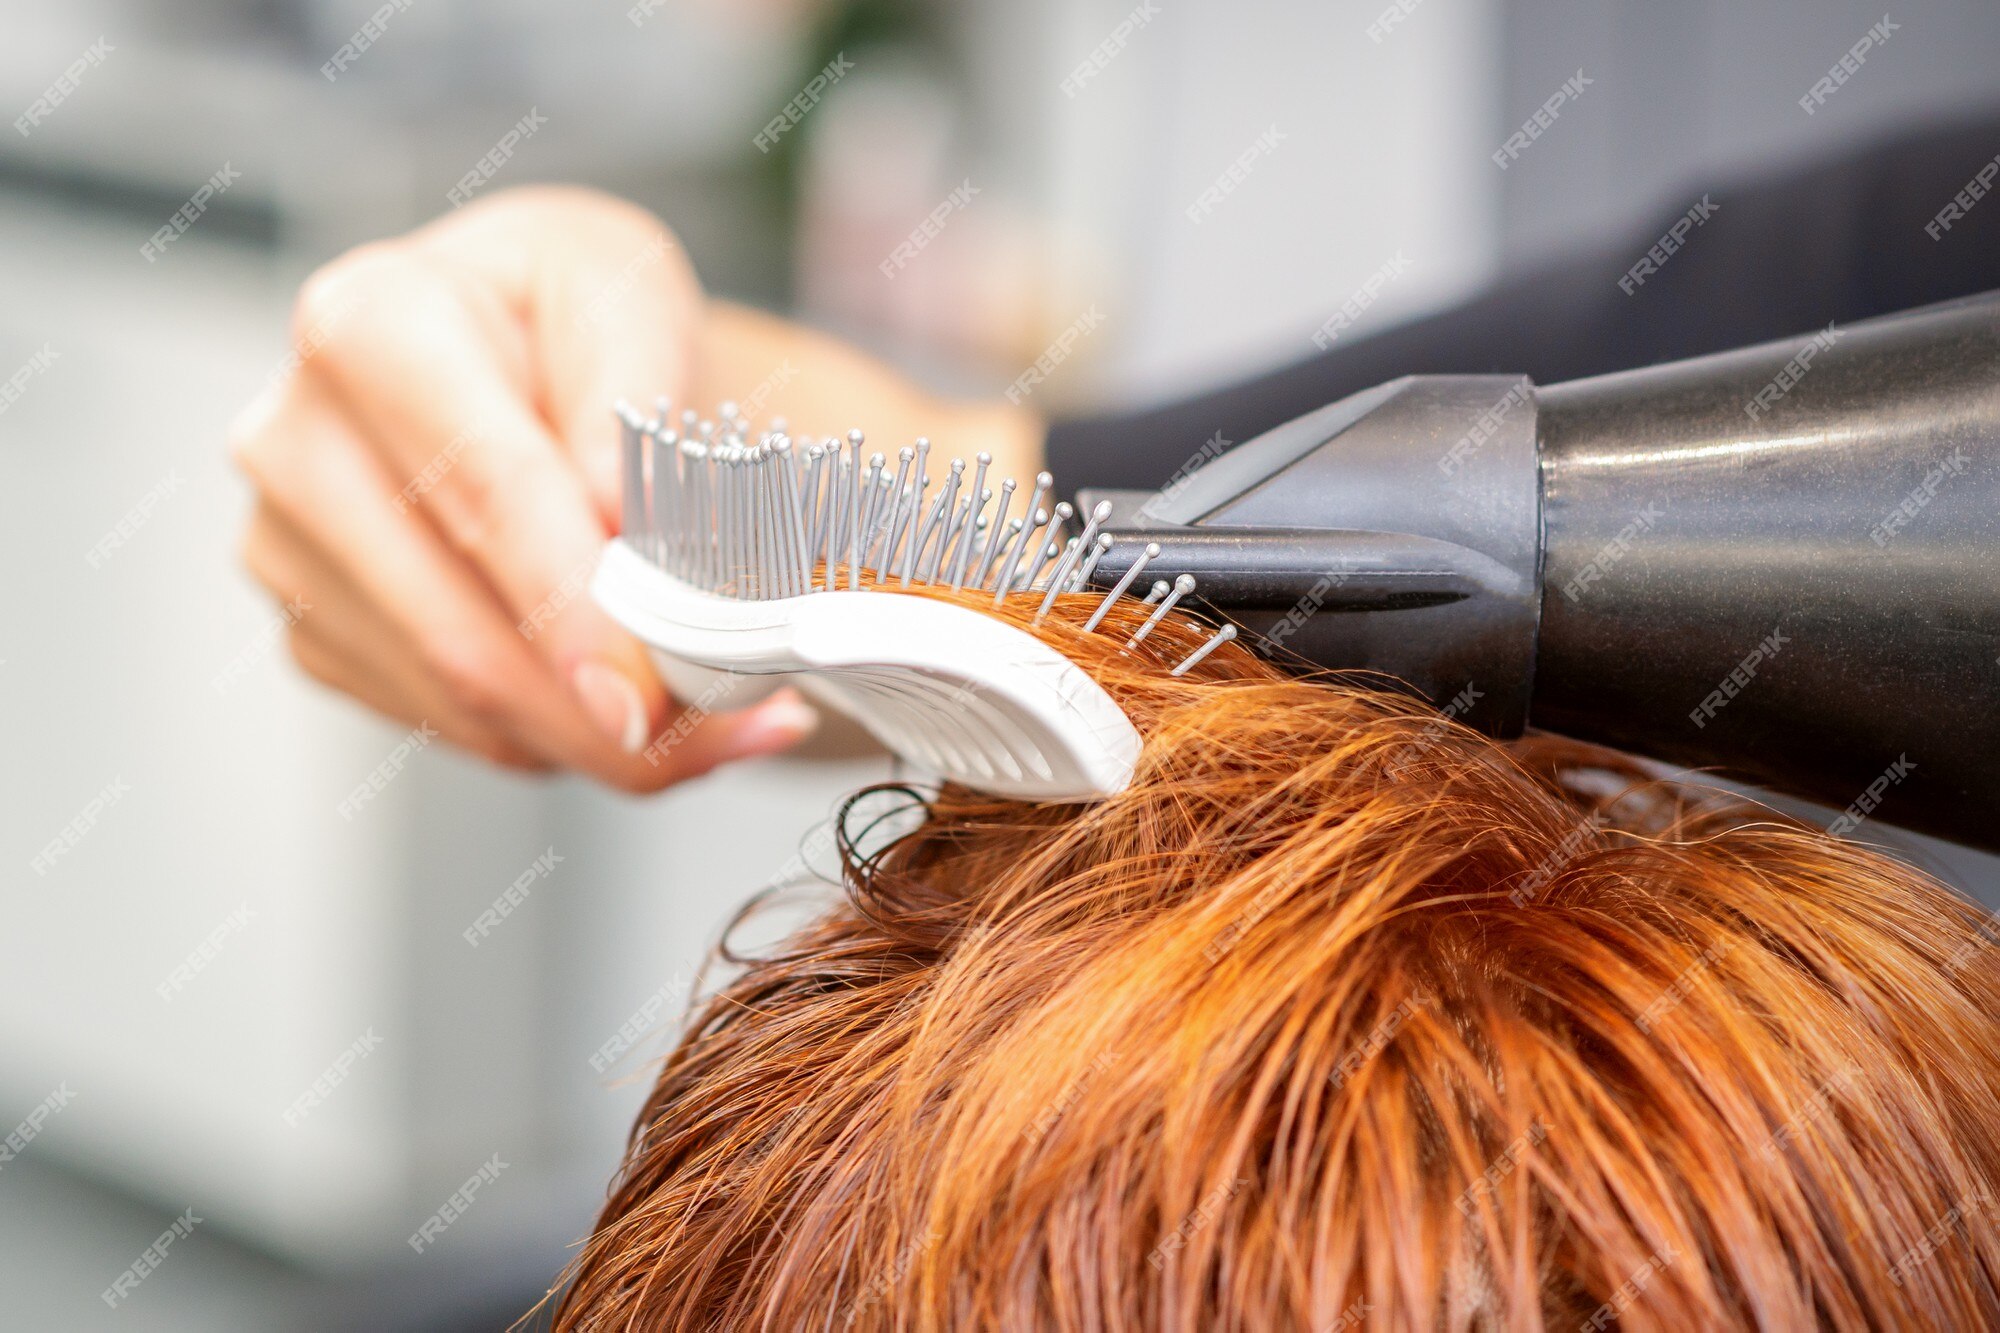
946 687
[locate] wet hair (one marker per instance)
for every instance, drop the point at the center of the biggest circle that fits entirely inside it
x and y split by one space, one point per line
1340 1016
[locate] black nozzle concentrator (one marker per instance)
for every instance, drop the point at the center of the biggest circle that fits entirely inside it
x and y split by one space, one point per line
1780 563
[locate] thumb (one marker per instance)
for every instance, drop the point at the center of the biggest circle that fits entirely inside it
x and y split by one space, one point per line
618 323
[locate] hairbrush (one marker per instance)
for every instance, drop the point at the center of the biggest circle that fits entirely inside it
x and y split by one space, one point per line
747 554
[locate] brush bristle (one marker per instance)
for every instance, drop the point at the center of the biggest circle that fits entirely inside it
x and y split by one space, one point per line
757 516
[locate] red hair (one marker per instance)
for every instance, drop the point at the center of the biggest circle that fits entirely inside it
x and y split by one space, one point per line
1340 1014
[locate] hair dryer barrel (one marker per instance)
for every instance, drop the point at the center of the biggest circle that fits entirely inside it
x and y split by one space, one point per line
1784 562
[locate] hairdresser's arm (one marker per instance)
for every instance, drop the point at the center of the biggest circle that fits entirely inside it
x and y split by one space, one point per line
434 484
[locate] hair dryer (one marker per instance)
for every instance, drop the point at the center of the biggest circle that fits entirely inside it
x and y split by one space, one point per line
1781 563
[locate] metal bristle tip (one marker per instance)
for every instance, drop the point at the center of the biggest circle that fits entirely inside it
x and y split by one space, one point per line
755 515
1221 636
1151 552
1182 587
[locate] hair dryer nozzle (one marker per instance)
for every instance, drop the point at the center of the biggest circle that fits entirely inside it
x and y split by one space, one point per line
1395 532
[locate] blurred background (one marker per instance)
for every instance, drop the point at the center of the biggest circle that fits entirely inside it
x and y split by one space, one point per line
227 1003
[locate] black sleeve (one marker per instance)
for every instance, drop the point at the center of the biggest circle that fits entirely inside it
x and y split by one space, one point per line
1838 241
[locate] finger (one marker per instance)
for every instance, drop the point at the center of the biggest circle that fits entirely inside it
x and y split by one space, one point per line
695 743
607 298
344 642
439 391
328 664
338 495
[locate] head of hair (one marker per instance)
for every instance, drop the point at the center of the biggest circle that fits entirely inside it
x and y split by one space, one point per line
1339 1015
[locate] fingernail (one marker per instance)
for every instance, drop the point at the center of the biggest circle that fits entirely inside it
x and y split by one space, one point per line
782 720
613 703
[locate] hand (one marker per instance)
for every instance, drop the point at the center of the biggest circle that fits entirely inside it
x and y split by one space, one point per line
435 482
442 471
